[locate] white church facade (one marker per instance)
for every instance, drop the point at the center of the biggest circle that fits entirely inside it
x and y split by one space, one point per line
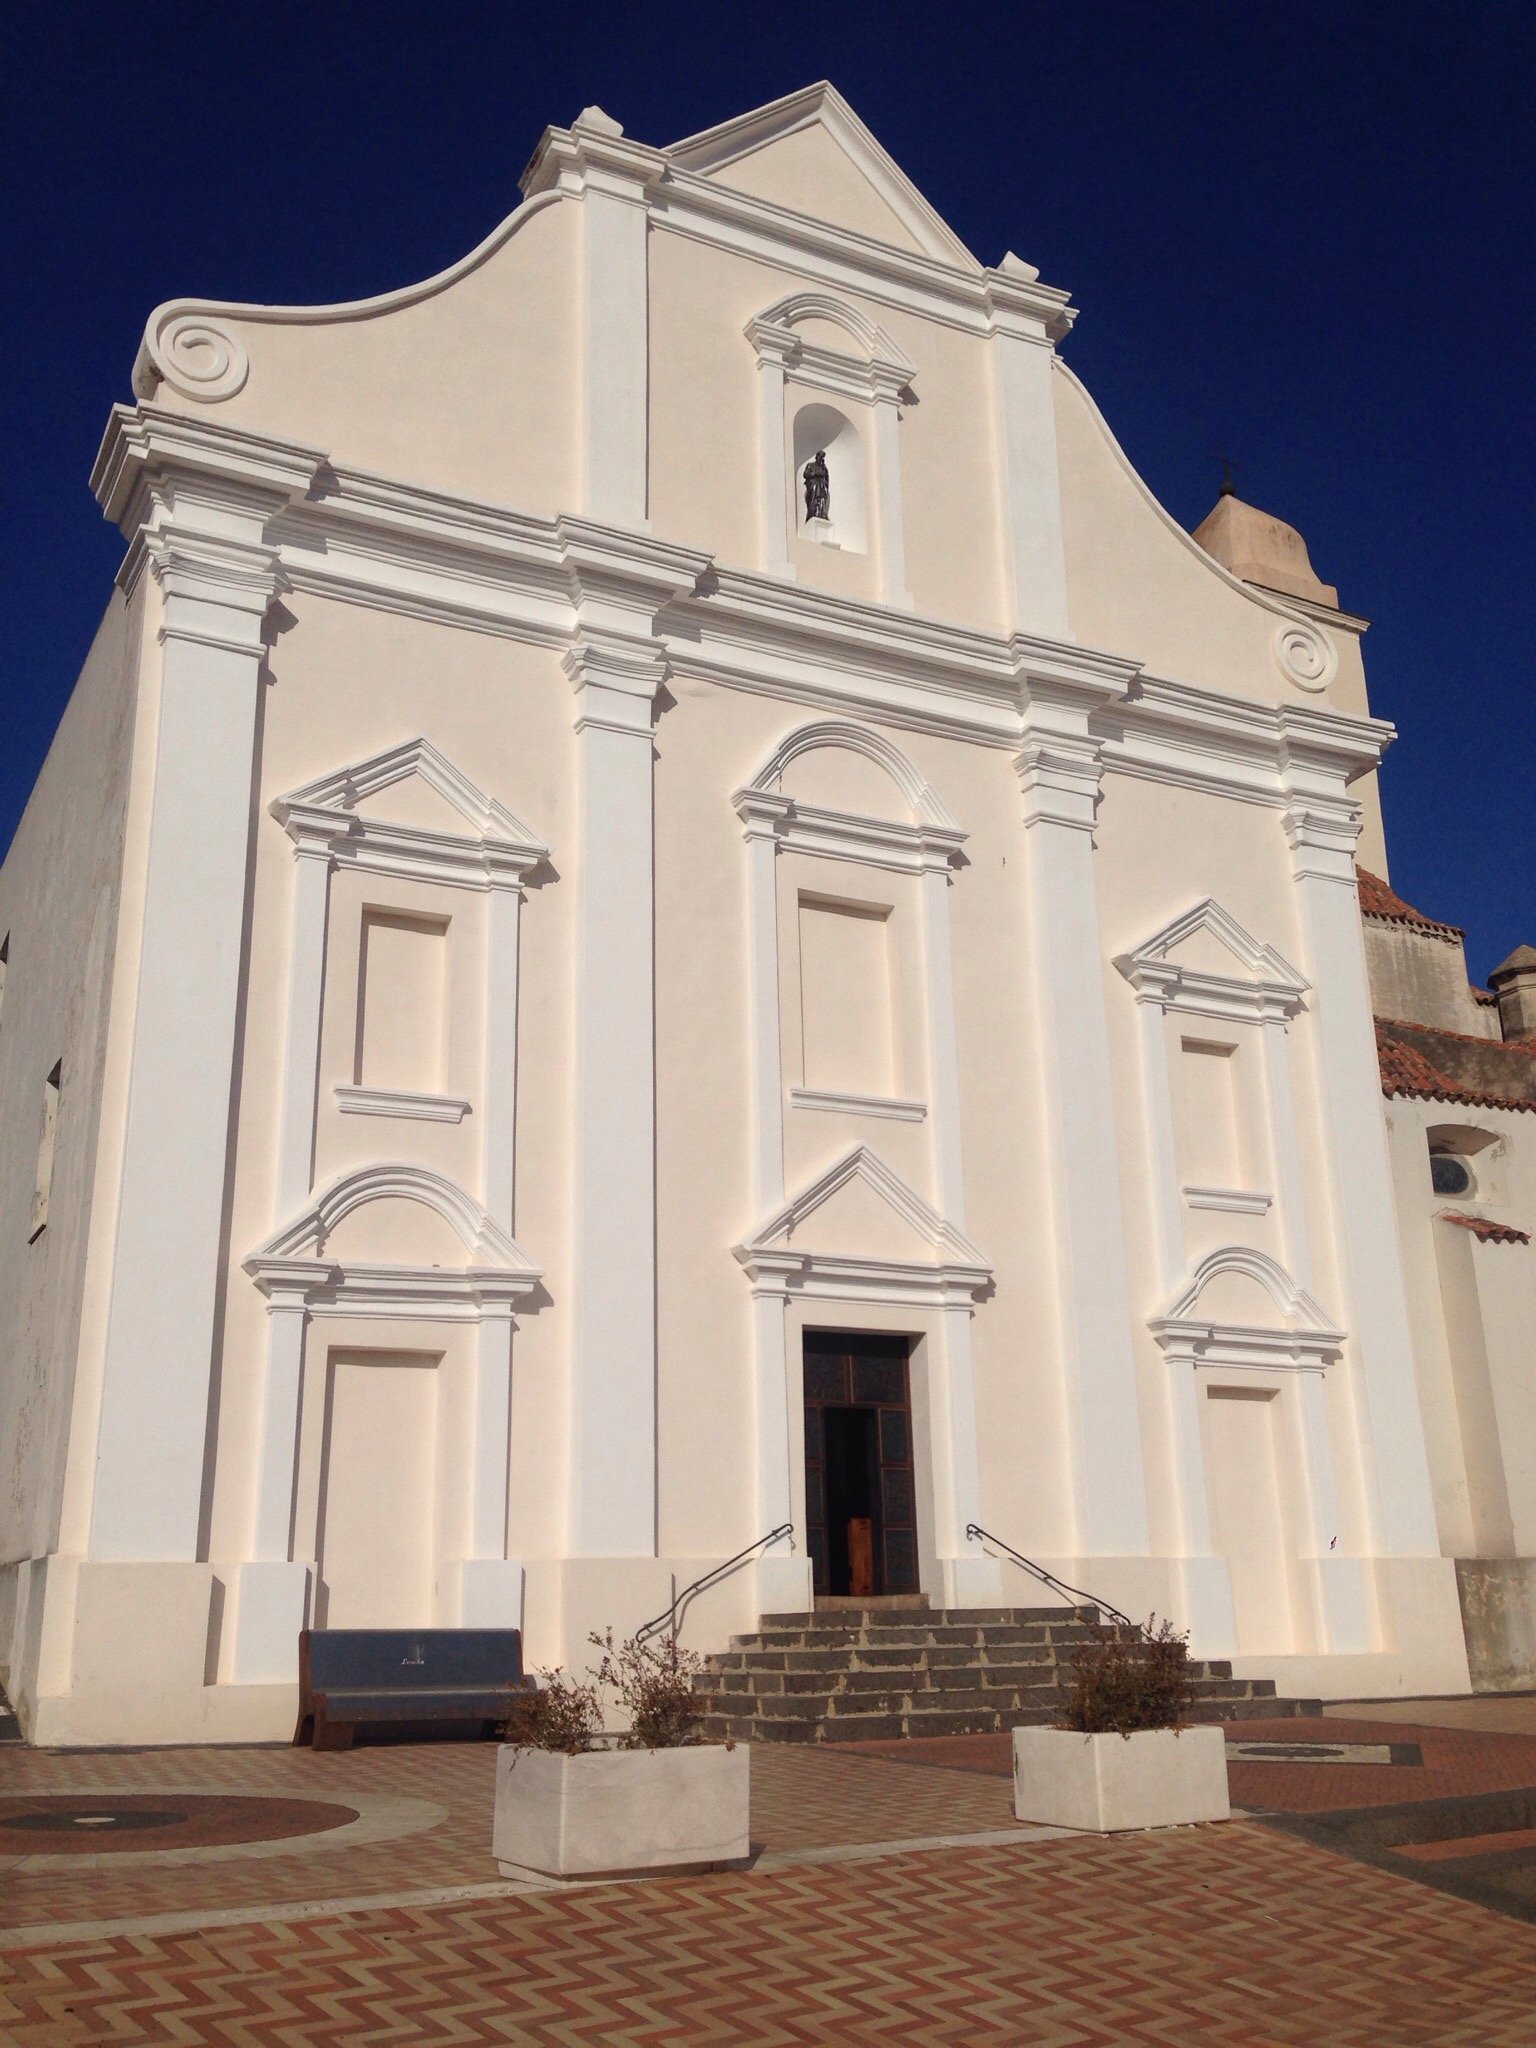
569 1004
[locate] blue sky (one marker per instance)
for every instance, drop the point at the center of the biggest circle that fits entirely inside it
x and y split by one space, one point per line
1300 232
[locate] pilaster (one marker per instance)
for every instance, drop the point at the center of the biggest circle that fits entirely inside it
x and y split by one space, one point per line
611 177
1059 769
1321 826
202 532
1029 483
613 1480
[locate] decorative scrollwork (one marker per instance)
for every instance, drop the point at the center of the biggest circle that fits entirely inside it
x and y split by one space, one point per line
196 357
1305 655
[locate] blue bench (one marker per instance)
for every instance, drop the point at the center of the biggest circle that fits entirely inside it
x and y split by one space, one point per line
348 1676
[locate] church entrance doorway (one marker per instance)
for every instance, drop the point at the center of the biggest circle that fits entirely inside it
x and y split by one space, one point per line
860 1492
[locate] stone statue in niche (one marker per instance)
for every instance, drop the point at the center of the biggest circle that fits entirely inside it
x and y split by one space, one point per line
818 487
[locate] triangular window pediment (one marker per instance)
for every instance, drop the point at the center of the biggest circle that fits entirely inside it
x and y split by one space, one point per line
411 810
1206 959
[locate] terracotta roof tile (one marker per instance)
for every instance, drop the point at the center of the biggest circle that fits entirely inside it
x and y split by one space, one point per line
1489 1231
1377 899
1407 1069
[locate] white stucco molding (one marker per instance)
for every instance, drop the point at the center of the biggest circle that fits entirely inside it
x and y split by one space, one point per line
950 1283
928 848
495 854
933 842
1264 990
495 850
1322 755
1060 763
374 541
873 376
616 582
940 277
292 1266
197 503
1289 1358
1264 986
876 366
957 1273
1300 1339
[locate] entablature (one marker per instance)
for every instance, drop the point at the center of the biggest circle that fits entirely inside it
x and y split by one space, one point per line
557 582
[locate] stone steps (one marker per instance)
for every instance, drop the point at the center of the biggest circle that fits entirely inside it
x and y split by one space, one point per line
861 1675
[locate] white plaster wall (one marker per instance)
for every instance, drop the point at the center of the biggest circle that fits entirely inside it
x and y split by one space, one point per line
348 683
470 389
704 435
1473 1322
59 896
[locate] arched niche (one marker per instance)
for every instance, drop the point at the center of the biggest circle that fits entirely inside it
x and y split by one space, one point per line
825 428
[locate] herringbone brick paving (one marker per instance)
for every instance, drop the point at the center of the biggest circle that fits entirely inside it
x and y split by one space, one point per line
800 1799
1217 1937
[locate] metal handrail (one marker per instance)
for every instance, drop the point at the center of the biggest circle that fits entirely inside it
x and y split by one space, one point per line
671 1617
975 1533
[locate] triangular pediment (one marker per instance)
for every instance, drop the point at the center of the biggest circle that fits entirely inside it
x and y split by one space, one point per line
1207 944
412 784
810 152
860 1209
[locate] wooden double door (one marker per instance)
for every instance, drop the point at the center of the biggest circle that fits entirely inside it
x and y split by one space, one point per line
860 1491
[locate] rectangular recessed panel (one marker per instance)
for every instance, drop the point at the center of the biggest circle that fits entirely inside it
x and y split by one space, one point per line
402 969
845 997
377 1508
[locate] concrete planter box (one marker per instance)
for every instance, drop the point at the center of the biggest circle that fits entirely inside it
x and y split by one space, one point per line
618 1812
1158 1778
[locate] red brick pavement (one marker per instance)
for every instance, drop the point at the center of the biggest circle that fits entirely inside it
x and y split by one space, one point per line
802 1798
1221 1937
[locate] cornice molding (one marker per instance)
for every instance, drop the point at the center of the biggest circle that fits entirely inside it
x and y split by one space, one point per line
932 842
822 105
435 1109
146 453
288 518
876 369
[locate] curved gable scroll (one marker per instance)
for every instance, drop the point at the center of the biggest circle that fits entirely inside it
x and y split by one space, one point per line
293 1266
928 837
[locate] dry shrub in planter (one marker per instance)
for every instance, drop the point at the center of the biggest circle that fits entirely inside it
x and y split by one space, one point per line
655 1681
1128 1683
560 1716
